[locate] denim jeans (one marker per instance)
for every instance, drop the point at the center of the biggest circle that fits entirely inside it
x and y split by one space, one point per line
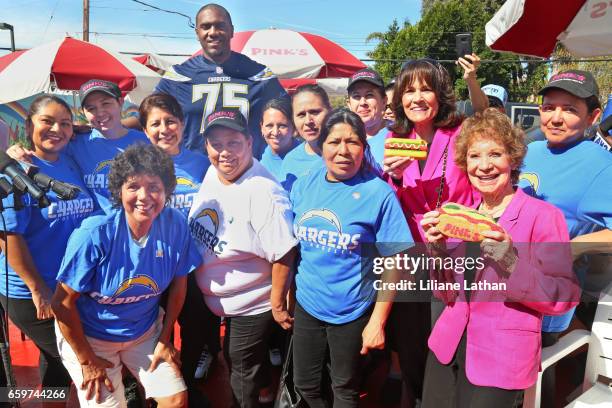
312 340
246 353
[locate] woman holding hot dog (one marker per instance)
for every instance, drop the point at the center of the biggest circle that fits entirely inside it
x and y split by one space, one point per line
485 346
424 107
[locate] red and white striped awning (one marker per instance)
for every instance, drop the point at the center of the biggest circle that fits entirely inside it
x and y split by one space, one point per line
292 54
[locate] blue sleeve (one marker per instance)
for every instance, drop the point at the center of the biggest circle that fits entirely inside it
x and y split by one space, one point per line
392 232
595 203
273 89
16 221
163 86
80 260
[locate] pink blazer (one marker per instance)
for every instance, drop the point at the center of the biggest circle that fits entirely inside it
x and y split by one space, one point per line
503 335
420 191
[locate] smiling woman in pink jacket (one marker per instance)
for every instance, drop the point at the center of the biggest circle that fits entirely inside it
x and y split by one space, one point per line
485 347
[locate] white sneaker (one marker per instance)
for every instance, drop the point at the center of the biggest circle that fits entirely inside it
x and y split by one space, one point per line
275 357
204 363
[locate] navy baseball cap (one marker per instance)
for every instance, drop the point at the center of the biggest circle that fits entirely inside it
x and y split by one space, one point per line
366 75
229 118
579 83
99 85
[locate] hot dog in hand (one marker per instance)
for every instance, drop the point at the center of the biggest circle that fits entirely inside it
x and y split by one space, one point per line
396 146
458 221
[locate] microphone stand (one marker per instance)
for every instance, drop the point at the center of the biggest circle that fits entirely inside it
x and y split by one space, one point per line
5 190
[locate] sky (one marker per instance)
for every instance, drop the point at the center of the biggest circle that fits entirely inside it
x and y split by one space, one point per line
125 25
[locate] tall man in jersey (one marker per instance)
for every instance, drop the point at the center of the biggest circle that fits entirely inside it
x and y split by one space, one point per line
218 79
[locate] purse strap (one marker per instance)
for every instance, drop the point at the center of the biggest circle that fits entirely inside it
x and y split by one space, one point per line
440 188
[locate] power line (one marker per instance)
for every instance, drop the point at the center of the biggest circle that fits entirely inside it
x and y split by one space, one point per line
166 11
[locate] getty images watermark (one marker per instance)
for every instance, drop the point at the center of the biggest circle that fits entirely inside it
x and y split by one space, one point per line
534 272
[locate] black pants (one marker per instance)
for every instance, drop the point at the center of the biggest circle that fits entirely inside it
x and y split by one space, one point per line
313 339
23 314
246 352
199 328
407 331
446 386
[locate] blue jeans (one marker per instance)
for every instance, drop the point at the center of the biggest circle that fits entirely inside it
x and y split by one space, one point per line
312 339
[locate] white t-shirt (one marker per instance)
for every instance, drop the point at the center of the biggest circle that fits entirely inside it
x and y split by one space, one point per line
240 229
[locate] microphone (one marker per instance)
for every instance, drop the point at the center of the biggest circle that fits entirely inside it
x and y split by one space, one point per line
64 191
21 181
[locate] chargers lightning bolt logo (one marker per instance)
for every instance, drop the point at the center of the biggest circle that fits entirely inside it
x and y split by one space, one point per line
102 165
141 280
532 179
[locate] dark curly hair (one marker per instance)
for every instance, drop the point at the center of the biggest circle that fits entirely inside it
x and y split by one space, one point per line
435 75
492 125
165 102
141 159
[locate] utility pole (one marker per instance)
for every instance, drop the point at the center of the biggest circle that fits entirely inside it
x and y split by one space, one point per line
86 20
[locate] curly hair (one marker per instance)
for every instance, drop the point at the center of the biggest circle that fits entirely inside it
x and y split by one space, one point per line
435 75
492 125
140 159
165 102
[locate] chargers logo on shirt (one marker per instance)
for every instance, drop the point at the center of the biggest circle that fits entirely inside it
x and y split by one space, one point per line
532 179
138 283
330 239
97 179
78 208
204 228
183 200
264 75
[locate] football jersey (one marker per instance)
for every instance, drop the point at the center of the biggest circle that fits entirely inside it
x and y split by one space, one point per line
190 168
202 87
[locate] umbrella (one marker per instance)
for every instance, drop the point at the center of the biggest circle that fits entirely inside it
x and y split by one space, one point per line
292 54
66 64
154 62
533 27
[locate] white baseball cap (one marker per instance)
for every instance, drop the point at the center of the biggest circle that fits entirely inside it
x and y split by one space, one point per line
496 91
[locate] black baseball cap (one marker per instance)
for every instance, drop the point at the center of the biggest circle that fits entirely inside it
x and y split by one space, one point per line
99 85
579 83
366 75
229 118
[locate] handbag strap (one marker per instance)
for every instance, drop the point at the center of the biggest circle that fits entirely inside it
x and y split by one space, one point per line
440 188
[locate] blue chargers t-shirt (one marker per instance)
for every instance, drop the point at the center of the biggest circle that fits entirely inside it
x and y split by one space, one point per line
274 162
46 230
577 179
190 168
94 153
298 163
377 146
120 282
332 222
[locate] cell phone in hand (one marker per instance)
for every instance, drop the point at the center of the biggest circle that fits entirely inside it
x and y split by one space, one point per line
463 44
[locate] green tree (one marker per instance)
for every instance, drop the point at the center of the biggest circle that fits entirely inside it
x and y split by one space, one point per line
434 36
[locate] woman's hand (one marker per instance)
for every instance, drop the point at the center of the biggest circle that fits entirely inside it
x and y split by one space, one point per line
470 64
42 302
429 224
373 337
497 246
94 377
394 166
283 318
165 351
18 152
